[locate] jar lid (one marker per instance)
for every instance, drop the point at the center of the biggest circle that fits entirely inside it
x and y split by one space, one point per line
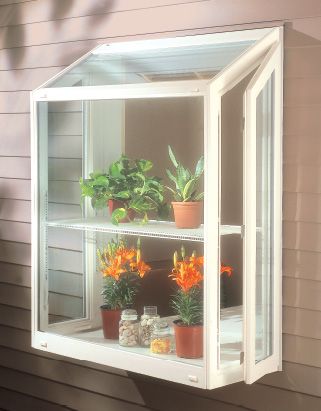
161 327
129 314
150 310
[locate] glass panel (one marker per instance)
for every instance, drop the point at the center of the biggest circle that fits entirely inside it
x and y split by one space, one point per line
264 221
231 246
76 139
145 66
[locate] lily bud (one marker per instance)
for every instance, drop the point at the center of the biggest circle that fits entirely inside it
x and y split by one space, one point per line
138 255
175 258
183 253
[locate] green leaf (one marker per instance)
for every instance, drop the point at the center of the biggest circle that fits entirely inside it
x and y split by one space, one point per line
199 167
170 175
144 165
122 195
188 189
118 215
172 156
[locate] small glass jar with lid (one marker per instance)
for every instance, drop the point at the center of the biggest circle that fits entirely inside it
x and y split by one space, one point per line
146 325
161 339
128 328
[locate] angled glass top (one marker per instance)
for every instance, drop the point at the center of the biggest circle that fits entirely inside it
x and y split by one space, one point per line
171 59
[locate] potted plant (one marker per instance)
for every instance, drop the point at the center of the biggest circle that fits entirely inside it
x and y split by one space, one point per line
187 205
126 189
187 303
122 267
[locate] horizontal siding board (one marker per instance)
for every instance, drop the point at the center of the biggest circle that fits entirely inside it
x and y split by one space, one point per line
62 394
15 102
302 121
71 374
65 260
65 124
296 377
15 210
302 61
302 293
15 274
65 169
301 178
256 397
15 253
67 239
45 10
302 264
56 211
302 322
15 231
65 305
11 400
15 167
65 146
66 283
56 55
14 295
66 192
302 207
152 20
302 350
302 236
303 91
302 150
26 80
15 135
15 317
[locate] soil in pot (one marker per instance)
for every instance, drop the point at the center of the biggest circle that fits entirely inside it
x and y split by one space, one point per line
110 319
189 340
188 214
114 204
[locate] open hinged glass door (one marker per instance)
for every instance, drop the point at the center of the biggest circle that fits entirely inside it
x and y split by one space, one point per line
263 181
230 361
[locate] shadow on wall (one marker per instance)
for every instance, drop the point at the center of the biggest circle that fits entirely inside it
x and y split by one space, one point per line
15 28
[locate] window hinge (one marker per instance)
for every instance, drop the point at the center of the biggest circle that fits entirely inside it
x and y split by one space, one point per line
242 231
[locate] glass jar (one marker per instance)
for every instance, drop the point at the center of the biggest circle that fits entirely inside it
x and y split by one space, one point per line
161 339
128 328
146 325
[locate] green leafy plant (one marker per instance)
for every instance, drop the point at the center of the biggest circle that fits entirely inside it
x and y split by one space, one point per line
126 181
185 181
188 300
122 267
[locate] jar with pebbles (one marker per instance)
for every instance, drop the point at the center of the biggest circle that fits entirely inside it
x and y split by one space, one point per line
128 328
146 325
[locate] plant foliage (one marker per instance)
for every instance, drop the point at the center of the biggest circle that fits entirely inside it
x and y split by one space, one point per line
122 267
126 181
188 300
185 182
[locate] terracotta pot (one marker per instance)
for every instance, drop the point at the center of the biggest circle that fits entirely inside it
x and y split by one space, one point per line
110 319
114 204
189 340
188 214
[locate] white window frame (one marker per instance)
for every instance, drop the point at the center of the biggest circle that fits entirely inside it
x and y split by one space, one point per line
209 376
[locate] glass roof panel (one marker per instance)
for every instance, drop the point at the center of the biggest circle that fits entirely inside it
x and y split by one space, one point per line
126 66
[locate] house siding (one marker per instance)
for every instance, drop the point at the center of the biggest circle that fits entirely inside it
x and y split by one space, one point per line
38 38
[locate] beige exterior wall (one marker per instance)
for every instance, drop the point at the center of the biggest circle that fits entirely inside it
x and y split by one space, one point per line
40 37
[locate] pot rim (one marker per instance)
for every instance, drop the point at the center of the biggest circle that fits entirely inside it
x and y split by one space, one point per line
187 203
107 307
179 323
